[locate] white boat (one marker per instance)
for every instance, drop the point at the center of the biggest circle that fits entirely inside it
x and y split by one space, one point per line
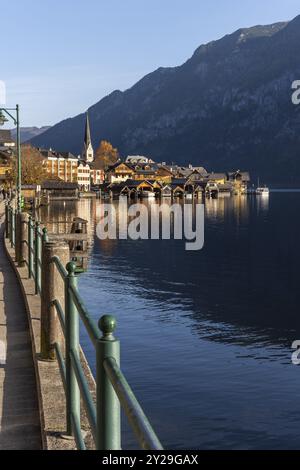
263 191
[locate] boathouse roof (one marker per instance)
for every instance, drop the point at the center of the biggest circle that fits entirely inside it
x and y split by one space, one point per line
244 175
217 176
178 181
55 184
145 172
120 162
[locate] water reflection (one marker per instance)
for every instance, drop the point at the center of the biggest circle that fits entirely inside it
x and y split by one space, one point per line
238 289
206 335
263 203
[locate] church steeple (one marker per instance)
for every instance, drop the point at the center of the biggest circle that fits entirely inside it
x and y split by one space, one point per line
87 151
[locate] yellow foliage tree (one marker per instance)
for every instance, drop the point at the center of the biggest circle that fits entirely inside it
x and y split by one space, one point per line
33 169
106 155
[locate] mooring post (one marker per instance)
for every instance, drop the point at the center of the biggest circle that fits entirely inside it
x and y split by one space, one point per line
52 288
72 347
107 402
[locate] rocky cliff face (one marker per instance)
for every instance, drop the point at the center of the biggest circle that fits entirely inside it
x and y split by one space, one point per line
229 106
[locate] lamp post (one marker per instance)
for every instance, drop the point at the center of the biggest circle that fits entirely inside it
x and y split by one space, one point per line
16 119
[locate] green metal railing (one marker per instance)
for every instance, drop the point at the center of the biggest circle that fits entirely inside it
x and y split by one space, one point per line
112 388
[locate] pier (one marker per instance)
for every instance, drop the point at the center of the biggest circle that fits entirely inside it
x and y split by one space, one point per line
65 406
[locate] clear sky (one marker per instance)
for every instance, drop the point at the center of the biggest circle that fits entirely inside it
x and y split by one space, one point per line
58 57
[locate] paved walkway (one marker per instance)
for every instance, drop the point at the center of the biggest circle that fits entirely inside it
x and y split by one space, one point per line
19 417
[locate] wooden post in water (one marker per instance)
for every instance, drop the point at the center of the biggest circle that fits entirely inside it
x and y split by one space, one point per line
52 288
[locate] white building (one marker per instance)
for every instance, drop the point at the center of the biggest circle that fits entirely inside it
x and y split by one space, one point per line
6 142
83 176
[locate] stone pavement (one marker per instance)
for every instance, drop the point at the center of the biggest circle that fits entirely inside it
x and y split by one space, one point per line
19 415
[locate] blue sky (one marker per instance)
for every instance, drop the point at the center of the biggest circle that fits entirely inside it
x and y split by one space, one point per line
58 57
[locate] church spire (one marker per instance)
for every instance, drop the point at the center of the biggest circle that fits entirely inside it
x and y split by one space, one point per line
87 137
87 152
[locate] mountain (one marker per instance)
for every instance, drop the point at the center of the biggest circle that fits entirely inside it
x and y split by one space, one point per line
228 107
28 133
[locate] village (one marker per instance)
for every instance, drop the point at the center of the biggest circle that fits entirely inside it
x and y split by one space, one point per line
65 176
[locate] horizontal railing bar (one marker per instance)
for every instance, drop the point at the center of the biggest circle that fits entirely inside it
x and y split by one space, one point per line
85 393
61 363
59 222
88 322
80 444
61 269
69 236
135 415
61 315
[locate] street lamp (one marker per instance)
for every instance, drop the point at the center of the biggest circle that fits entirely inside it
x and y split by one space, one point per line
3 119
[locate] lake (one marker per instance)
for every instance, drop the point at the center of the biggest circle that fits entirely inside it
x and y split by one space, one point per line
206 335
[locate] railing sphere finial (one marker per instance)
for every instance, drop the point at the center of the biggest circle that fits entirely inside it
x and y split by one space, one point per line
107 325
71 267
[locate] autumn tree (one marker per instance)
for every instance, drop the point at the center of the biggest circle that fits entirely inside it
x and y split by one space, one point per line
33 169
106 155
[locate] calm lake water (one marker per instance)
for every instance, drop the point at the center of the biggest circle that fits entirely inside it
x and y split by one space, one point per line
206 336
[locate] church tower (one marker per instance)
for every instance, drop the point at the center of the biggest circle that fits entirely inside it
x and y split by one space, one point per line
87 151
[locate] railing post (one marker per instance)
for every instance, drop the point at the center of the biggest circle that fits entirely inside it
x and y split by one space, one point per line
30 247
6 220
21 238
107 402
72 344
18 238
13 228
45 235
9 222
52 288
37 259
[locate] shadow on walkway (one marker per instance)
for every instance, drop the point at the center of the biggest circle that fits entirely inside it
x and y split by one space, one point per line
19 416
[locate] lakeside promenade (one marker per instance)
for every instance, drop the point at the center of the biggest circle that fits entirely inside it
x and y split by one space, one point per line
49 397
19 415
